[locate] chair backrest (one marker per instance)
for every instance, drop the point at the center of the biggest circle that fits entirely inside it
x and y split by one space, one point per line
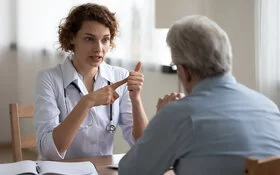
18 142
269 166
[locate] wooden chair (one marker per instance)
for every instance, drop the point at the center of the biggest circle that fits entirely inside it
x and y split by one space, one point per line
19 142
269 166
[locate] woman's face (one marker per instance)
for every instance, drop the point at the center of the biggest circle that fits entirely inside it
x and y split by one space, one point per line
91 44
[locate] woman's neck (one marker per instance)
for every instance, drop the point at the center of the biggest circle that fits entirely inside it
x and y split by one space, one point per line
87 72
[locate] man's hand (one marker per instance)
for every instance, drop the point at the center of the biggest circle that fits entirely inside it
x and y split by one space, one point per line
162 101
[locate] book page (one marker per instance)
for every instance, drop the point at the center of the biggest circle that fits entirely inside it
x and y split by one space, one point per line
21 167
69 168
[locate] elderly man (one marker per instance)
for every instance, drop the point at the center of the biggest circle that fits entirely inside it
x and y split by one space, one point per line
217 125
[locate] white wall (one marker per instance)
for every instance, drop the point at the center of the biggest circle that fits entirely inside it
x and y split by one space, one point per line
8 23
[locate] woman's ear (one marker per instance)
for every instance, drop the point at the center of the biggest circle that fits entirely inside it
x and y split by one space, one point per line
71 42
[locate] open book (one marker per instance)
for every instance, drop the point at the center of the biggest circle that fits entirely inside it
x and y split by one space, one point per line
48 168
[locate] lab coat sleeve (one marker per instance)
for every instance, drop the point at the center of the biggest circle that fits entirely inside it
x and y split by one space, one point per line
126 118
166 138
46 116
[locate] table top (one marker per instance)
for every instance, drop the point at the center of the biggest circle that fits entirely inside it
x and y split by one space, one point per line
101 163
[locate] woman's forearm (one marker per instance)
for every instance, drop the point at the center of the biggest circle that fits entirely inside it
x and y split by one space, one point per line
140 120
65 132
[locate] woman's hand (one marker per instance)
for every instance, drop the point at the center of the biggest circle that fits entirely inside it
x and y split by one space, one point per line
135 82
104 96
162 101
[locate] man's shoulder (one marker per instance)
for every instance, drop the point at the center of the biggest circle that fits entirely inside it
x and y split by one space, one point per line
178 109
257 97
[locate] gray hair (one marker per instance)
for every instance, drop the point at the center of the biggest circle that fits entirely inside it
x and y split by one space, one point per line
201 45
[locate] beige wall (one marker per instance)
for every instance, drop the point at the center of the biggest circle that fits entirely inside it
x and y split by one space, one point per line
236 17
8 90
156 85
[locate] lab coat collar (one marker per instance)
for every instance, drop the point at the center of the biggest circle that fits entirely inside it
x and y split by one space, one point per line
70 74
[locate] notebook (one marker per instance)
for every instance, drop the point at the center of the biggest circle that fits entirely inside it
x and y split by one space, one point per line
116 166
48 167
113 166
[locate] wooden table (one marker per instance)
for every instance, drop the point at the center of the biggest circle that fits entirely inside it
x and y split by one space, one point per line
101 163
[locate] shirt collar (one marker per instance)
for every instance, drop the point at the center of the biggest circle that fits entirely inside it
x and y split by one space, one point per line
213 82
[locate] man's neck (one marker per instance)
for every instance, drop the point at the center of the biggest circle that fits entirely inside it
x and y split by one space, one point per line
194 80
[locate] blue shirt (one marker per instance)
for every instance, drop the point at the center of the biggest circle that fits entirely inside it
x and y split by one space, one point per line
55 97
210 132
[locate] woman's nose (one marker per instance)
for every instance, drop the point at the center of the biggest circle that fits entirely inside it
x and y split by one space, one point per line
97 46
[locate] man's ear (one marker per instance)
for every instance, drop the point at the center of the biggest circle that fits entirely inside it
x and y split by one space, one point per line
186 73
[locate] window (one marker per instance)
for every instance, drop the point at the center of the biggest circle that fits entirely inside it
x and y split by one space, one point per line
268 47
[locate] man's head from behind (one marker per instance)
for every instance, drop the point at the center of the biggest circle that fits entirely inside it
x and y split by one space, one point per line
199 48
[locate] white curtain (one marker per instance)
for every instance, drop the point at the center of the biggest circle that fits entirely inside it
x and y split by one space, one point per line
268 48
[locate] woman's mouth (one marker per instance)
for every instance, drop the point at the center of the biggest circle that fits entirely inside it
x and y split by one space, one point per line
95 58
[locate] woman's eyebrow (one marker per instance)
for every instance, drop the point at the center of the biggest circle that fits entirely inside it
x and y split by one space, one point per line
106 35
89 34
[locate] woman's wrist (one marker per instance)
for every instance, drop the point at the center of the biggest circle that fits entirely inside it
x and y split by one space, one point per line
135 97
86 102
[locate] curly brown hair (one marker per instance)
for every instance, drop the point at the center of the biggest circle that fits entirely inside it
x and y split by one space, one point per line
70 25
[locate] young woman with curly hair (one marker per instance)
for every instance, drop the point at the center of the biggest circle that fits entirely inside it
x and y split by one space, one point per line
79 103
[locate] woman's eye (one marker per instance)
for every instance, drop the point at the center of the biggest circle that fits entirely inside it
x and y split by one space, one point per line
105 40
88 39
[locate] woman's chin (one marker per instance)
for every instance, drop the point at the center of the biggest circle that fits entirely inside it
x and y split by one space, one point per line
96 63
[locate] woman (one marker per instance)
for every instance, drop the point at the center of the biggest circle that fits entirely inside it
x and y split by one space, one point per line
79 103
